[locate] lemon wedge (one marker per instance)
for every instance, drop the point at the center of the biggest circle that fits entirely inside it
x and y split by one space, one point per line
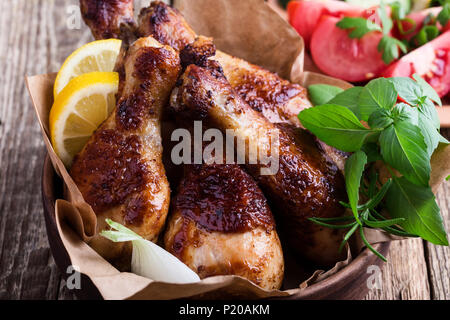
95 56
79 109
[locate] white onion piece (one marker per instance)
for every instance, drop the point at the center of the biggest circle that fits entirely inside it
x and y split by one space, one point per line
150 260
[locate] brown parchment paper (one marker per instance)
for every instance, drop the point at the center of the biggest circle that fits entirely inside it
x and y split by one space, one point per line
248 29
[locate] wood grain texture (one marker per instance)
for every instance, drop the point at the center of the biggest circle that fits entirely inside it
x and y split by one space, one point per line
404 276
35 38
417 269
438 257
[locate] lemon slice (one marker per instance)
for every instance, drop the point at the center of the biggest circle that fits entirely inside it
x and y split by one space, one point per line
78 111
95 56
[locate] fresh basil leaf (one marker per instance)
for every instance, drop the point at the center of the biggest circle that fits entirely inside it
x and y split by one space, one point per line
428 109
425 35
380 118
378 93
349 99
322 93
358 26
335 125
408 89
418 206
444 15
390 48
404 112
386 21
430 134
374 136
415 92
403 147
427 89
372 152
443 140
354 168
448 178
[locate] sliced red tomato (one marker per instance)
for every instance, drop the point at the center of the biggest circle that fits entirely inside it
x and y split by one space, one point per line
305 15
408 29
342 57
431 61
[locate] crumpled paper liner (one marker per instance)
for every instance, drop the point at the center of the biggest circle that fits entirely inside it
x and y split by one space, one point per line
247 29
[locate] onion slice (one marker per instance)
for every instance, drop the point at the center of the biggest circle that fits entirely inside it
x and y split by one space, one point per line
150 260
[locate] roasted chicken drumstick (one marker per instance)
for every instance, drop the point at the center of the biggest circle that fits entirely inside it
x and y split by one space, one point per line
278 100
307 184
221 225
120 171
108 18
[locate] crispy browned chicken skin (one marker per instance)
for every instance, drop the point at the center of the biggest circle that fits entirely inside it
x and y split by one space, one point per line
120 171
108 18
279 100
164 23
307 184
221 225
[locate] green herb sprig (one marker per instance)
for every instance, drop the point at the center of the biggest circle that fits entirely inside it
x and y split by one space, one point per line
359 26
389 47
430 28
371 122
444 16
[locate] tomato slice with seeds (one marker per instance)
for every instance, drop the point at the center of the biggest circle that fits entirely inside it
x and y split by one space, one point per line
430 61
348 59
304 16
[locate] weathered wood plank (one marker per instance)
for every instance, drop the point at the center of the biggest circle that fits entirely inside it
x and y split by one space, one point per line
417 269
438 257
404 276
33 39
21 224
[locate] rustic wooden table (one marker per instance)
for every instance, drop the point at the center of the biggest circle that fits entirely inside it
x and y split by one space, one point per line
35 37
